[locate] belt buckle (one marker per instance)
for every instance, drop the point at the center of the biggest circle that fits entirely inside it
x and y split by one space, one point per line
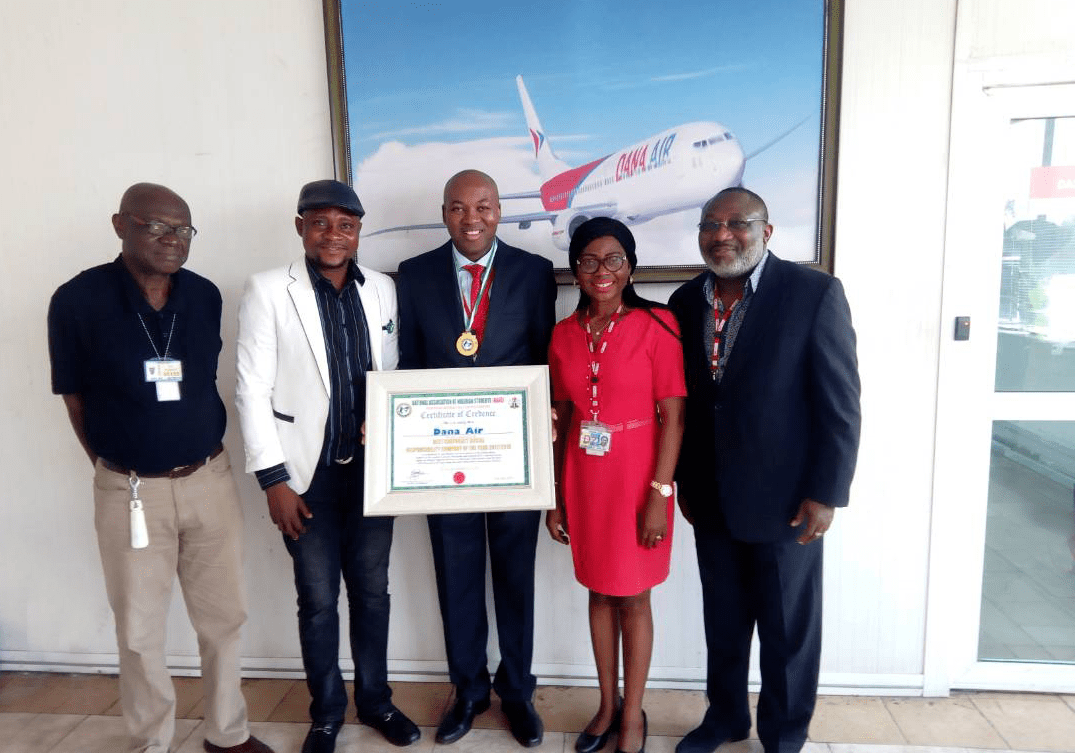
344 461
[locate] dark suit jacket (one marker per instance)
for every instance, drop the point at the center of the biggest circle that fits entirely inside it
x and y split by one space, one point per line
783 424
522 311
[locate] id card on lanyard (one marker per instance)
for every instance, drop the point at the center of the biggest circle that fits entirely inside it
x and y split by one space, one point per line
595 437
164 372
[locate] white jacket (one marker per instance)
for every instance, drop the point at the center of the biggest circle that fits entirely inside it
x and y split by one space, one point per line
283 381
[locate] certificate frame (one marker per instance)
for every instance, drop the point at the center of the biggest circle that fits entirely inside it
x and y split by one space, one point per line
403 215
385 388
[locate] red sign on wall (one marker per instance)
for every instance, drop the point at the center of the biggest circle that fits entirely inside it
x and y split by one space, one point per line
1052 182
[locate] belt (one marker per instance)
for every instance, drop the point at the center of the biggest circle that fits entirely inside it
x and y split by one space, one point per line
180 471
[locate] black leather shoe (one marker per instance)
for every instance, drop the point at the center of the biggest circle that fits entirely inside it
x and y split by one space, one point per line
252 745
525 724
458 720
394 725
705 738
322 737
645 732
589 743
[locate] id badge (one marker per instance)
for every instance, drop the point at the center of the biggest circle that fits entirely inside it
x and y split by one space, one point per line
166 374
595 438
164 370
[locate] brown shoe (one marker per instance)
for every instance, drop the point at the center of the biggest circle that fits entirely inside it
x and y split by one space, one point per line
252 745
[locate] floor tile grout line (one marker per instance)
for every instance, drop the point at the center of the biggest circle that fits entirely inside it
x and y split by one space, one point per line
278 703
895 721
69 732
990 722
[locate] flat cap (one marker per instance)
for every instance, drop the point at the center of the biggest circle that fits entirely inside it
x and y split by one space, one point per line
322 194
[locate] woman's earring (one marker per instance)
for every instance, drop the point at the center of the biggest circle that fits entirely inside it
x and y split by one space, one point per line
631 279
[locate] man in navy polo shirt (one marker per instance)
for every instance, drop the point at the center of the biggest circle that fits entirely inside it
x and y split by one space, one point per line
134 346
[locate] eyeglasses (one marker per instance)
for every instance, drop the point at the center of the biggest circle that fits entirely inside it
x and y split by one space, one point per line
613 263
736 226
158 228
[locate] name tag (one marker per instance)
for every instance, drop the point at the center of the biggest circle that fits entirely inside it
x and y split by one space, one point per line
166 374
595 438
164 370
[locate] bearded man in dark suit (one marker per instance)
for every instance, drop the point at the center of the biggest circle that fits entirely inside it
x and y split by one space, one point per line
769 449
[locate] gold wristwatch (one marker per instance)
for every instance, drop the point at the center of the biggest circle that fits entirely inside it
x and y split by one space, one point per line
664 489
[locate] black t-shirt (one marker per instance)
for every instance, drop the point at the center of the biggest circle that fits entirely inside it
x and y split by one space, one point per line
98 347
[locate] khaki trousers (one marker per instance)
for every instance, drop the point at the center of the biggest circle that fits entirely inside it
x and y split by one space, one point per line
195 532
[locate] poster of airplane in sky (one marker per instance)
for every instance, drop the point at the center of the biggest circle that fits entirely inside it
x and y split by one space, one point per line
634 110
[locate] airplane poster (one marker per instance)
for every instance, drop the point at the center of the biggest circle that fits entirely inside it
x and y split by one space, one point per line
634 110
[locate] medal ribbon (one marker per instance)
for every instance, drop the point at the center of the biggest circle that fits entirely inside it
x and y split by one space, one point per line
477 310
595 355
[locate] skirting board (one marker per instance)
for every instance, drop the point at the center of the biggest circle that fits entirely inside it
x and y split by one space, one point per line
672 678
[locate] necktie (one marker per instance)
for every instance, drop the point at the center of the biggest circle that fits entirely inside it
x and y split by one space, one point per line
478 325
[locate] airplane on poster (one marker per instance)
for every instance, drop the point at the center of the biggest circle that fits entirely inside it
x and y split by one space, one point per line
674 170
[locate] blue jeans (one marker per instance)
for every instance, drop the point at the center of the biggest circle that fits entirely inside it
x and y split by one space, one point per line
339 538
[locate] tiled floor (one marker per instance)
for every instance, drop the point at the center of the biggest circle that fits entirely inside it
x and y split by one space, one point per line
48 713
1028 588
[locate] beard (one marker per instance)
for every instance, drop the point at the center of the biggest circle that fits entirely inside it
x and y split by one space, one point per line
738 266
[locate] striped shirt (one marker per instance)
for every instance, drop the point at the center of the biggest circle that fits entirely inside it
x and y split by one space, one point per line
735 322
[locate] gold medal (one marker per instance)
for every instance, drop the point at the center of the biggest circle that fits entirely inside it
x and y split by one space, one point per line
467 344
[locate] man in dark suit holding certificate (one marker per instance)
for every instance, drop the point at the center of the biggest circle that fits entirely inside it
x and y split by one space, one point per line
769 447
476 301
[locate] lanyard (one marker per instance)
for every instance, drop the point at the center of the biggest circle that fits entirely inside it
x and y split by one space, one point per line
720 320
167 345
596 354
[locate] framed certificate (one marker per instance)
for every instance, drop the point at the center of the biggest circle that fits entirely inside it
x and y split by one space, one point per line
458 440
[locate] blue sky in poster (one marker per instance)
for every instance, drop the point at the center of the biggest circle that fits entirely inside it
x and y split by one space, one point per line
605 74
602 75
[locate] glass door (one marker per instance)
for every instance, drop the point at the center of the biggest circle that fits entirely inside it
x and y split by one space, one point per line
1028 585
1002 584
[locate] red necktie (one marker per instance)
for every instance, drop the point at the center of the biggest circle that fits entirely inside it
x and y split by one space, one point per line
478 325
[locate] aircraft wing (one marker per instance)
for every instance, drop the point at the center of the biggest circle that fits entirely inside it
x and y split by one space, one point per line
523 220
397 228
535 194
788 132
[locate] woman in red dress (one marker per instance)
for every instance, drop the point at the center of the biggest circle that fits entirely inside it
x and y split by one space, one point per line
618 389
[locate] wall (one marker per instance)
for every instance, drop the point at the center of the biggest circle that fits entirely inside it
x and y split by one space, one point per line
227 103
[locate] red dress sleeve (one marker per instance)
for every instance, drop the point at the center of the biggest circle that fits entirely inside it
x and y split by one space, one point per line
667 350
557 363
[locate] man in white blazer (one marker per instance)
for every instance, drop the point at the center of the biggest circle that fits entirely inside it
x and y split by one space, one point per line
308 333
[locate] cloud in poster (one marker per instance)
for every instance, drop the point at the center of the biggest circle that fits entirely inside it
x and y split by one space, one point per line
465 120
694 74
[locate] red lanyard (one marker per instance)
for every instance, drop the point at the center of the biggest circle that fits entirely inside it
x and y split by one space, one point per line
720 320
596 353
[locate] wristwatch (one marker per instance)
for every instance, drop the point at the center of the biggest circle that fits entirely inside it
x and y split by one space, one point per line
664 489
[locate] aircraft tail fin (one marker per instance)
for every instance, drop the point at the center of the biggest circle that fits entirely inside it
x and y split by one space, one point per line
548 163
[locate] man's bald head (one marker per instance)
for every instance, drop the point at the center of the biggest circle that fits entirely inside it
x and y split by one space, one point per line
147 252
141 197
471 211
470 177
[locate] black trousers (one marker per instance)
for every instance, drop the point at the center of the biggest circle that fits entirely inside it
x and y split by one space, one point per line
776 586
459 545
